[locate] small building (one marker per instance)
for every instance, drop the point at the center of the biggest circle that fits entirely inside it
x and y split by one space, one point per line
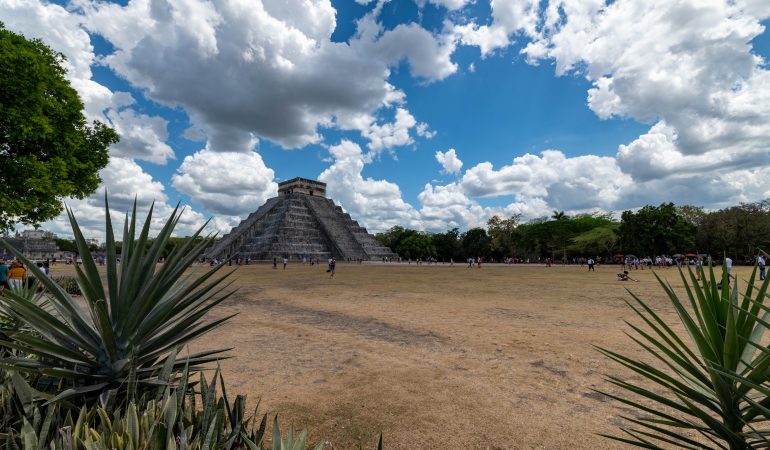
34 245
302 186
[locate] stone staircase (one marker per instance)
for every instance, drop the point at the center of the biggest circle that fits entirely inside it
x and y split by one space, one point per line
297 225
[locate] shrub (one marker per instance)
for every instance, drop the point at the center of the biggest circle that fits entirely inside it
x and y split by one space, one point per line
69 284
129 327
705 384
177 418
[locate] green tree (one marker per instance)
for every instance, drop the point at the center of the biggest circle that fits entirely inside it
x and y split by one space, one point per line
655 230
417 245
596 241
502 233
475 243
392 237
49 151
738 230
447 244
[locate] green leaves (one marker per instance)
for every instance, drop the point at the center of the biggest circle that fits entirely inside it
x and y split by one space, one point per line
132 325
705 382
49 151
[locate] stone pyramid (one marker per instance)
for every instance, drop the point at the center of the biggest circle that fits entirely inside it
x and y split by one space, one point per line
300 222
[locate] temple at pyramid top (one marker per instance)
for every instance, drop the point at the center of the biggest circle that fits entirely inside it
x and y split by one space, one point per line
302 186
299 223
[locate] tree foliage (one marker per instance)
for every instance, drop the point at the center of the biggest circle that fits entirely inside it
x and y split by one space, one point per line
656 230
417 245
49 151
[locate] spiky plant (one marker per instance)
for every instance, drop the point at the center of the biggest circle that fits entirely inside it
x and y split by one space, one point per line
701 387
127 329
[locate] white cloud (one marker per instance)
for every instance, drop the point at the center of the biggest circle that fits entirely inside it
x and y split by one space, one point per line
449 161
451 5
125 182
423 130
229 183
267 68
389 135
576 183
376 204
141 136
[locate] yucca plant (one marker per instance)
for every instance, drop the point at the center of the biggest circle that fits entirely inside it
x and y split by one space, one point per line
702 386
182 417
129 328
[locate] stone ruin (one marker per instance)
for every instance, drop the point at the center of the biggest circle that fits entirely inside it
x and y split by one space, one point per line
300 223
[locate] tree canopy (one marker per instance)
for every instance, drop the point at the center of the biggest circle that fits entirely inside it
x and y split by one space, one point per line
48 150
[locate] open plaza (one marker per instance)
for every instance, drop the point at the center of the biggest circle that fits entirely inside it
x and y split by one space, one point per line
435 356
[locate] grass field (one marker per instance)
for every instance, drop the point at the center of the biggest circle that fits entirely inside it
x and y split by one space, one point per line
434 356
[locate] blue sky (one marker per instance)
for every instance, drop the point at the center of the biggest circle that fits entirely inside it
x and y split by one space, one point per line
569 105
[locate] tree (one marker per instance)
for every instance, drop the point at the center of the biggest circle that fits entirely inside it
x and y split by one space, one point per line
475 242
655 230
49 152
447 244
415 246
596 241
502 233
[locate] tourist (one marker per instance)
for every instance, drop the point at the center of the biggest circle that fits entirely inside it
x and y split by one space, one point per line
16 275
3 274
624 277
761 264
332 266
699 268
591 263
729 266
43 267
275 262
285 261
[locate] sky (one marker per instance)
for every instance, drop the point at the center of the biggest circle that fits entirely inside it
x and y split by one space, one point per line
429 114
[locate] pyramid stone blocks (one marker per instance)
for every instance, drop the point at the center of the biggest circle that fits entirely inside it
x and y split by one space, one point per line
300 222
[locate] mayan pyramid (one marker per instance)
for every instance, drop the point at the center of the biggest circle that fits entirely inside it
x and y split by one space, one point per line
300 222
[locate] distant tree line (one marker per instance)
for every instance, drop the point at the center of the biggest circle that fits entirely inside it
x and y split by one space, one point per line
738 231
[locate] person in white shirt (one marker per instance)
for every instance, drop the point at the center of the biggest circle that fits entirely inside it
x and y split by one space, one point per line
761 264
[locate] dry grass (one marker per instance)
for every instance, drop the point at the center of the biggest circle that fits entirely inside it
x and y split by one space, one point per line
433 356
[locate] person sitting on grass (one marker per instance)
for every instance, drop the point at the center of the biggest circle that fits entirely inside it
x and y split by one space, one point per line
624 277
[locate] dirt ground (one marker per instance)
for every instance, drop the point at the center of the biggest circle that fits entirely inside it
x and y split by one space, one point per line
435 357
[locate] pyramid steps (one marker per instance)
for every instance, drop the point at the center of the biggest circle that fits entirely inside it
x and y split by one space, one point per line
297 224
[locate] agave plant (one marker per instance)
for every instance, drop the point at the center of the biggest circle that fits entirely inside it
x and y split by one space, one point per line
704 385
129 328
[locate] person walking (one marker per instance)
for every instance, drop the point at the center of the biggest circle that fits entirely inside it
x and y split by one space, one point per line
3 274
275 262
332 267
16 275
591 263
761 264
285 262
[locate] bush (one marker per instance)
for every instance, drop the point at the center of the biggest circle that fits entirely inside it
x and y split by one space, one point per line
132 326
704 385
69 284
175 418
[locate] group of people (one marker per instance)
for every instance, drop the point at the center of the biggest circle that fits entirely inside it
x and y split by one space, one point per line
13 274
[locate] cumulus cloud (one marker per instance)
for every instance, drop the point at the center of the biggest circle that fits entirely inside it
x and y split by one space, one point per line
229 183
449 161
266 68
141 136
125 182
389 135
451 5
686 67
376 204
